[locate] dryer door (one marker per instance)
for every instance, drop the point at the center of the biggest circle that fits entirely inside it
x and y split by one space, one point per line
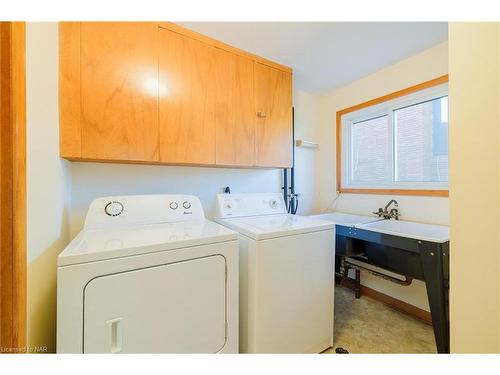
173 308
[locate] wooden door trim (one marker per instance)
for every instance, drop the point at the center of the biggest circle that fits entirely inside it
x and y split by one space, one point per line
13 188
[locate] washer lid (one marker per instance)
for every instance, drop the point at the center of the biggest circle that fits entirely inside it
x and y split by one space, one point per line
272 226
94 244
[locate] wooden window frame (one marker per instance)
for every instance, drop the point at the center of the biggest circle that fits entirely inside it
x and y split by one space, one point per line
409 90
12 188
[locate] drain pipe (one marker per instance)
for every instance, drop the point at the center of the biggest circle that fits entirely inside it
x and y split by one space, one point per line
405 282
293 197
285 188
289 195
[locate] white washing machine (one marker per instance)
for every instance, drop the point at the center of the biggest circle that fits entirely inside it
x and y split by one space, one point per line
148 274
286 275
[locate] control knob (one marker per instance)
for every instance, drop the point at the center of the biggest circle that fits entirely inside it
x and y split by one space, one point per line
113 208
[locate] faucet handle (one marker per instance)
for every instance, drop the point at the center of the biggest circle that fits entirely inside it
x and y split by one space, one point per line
395 213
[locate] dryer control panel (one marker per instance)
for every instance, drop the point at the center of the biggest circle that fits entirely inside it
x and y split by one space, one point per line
143 209
243 205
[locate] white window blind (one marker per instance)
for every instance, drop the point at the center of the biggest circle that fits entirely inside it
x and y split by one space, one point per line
401 144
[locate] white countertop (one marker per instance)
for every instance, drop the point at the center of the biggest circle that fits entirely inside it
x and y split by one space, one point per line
408 229
342 218
401 228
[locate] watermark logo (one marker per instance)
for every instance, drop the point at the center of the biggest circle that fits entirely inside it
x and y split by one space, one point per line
27 349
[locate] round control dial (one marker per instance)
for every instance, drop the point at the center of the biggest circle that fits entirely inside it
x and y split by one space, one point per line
173 205
186 205
113 208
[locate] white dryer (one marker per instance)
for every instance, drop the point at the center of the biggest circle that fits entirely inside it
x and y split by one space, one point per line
286 275
148 274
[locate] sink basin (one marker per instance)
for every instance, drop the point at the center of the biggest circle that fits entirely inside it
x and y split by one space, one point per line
418 231
346 219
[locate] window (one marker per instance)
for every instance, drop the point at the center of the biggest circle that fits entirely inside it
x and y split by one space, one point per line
397 143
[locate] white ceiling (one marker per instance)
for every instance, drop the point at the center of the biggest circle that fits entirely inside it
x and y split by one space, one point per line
327 55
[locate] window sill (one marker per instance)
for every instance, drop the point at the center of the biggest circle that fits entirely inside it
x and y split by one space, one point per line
415 192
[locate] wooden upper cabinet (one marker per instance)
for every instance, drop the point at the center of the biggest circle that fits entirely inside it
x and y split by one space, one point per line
187 100
273 97
119 91
235 116
157 93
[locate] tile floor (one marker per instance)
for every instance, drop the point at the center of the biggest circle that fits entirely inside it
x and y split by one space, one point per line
368 326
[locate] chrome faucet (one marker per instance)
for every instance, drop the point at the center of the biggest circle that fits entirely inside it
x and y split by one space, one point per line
393 213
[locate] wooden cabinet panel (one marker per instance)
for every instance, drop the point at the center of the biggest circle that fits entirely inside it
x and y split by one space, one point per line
187 99
273 97
234 110
70 140
119 90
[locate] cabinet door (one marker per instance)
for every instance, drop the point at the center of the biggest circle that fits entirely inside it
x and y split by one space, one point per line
119 90
187 129
234 110
273 96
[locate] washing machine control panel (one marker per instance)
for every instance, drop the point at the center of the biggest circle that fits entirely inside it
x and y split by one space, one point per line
143 209
241 205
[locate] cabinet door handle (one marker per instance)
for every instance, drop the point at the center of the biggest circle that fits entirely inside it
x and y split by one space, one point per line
261 114
115 335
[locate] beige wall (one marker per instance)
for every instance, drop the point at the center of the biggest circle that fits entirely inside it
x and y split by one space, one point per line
93 180
416 69
475 187
47 182
307 127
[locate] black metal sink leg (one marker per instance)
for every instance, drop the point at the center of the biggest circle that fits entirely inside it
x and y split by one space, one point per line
357 287
437 293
